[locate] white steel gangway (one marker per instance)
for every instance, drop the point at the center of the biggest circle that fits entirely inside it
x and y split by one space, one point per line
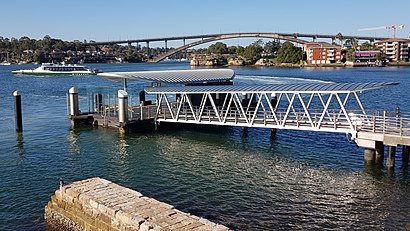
326 107
209 97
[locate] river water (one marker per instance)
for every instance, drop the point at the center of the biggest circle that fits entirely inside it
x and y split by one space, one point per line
300 180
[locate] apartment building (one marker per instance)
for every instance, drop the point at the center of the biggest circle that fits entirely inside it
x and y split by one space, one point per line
322 53
396 50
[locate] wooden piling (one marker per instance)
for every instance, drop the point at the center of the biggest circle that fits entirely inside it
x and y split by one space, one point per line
405 154
369 156
391 158
18 115
245 131
379 152
273 133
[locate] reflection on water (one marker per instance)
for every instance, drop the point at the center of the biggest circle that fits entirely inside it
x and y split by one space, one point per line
72 139
20 143
246 185
122 145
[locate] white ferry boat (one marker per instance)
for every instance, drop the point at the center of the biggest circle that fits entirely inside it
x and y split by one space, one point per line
58 69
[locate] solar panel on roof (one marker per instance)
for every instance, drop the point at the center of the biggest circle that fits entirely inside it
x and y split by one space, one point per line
173 76
284 88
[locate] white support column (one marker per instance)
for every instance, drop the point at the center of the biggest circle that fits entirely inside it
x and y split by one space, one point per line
191 107
260 97
159 102
324 105
279 99
122 106
344 104
288 110
214 106
223 105
256 111
74 108
228 108
179 104
291 103
344 112
306 110
242 110
202 106
169 106
324 111
272 109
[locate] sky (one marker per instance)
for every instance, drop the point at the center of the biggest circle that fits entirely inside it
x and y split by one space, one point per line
132 19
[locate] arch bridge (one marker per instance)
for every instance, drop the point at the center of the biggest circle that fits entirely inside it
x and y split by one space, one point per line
224 37
204 38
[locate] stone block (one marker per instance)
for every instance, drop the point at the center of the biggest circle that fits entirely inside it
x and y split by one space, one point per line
72 192
103 181
145 226
219 227
176 218
194 225
123 217
65 188
136 220
112 211
206 222
105 218
93 204
68 198
180 212
180 225
157 228
84 199
58 195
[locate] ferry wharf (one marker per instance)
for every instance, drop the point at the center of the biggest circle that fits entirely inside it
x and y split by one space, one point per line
209 97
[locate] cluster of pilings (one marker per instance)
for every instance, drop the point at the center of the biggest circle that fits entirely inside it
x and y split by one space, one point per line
376 156
122 106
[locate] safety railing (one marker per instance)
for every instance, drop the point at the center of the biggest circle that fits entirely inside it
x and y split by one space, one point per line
372 121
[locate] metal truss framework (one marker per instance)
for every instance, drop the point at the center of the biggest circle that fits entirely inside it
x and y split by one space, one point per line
313 111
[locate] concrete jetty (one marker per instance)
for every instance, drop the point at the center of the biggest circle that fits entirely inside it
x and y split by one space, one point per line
98 204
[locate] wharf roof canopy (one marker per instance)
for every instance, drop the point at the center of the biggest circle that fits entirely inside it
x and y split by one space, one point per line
173 76
273 88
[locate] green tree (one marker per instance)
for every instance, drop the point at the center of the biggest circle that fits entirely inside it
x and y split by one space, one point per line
218 48
271 47
232 50
288 53
240 50
253 52
366 46
340 37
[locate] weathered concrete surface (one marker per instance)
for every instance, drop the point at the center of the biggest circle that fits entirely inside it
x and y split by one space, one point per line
98 204
367 139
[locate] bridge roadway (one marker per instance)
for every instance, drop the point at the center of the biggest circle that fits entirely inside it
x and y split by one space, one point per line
205 38
247 34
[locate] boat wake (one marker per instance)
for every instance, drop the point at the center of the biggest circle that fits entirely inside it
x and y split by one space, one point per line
274 80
